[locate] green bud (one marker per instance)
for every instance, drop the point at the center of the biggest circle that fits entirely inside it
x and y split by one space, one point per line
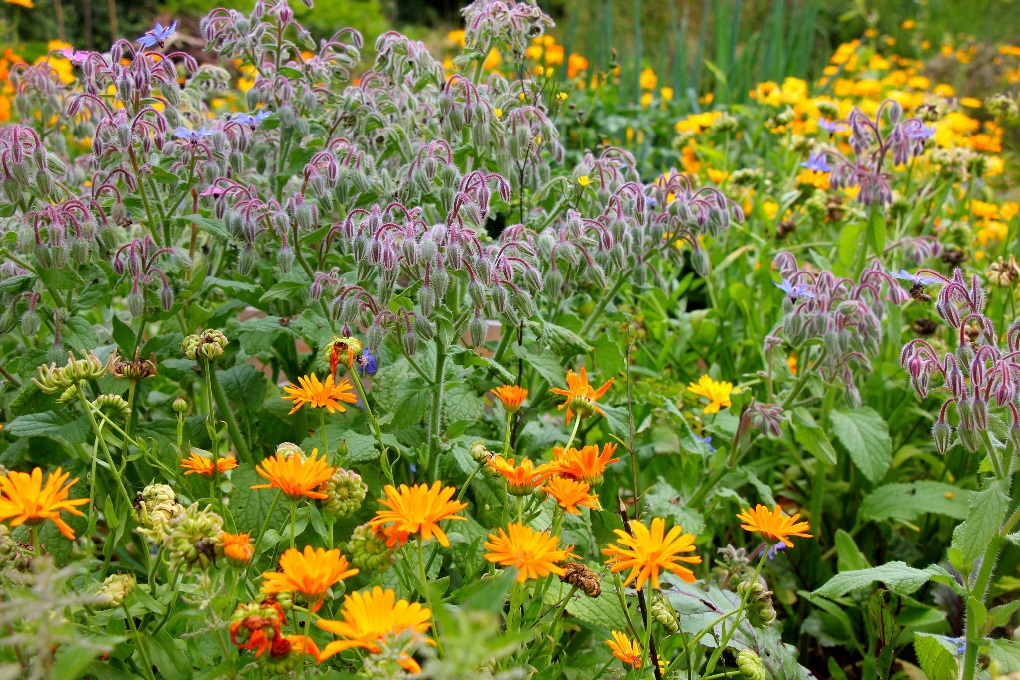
115 590
760 611
194 538
750 665
664 613
346 492
368 550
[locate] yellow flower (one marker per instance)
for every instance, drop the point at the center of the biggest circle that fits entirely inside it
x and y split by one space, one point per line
512 396
370 617
237 548
311 573
416 510
646 99
813 178
774 525
586 464
970 102
584 180
534 555
717 393
581 397
666 93
498 113
575 64
492 60
908 24
21 3
625 649
648 79
200 465
791 363
570 493
521 479
456 37
648 552
295 475
561 96
317 394
770 208
25 500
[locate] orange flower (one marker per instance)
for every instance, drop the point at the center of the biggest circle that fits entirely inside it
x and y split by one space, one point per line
258 624
581 396
534 555
21 3
25 500
370 617
512 396
570 493
310 573
317 394
774 525
624 649
646 553
585 464
416 510
295 475
200 465
284 646
237 548
521 480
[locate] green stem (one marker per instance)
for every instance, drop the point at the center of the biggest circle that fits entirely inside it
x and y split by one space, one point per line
293 521
102 444
573 433
590 321
714 659
463 489
322 433
428 592
146 662
437 409
235 433
262 532
506 437
374 423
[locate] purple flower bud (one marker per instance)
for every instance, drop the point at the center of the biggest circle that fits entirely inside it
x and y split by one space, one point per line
980 409
166 297
956 383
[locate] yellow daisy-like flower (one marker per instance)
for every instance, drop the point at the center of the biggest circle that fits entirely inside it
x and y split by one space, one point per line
534 555
584 180
570 493
237 548
773 524
21 3
200 465
370 617
311 573
581 397
24 499
717 393
521 479
296 476
512 397
648 552
416 510
327 395
585 464
625 649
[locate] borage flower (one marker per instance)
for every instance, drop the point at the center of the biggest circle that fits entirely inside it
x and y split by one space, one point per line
570 493
581 397
717 392
534 555
586 464
416 510
773 525
512 396
24 499
370 617
625 649
158 35
521 479
200 465
646 553
327 395
295 475
311 573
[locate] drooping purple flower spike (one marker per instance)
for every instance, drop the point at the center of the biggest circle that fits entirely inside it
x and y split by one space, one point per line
817 162
158 35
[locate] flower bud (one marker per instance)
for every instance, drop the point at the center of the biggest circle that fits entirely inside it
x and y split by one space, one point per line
346 492
30 322
368 550
115 590
180 406
750 665
942 435
476 330
760 612
194 538
664 613
410 342
970 438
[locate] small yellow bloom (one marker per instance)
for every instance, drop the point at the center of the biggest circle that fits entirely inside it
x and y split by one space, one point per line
718 393
666 93
649 551
24 499
561 96
498 112
625 649
201 465
584 180
648 79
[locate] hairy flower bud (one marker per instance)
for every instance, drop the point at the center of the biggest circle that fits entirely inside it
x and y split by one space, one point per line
115 590
942 435
346 492
760 611
368 550
477 329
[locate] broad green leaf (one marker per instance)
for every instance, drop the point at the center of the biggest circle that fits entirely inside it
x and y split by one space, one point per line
603 525
285 290
864 434
64 278
898 576
602 611
849 243
475 359
250 506
987 510
412 401
1006 653
258 335
72 662
812 437
48 423
936 657
545 364
665 501
362 447
167 657
907 502
461 403
79 335
208 224
245 387
849 556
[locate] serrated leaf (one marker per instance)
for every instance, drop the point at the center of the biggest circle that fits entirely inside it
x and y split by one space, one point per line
1006 653
285 290
864 434
665 501
907 502
64 278
462 403
812 437
898 576
48 423
987 510
250 506
208 224
412 401
544 363
602 611
935 657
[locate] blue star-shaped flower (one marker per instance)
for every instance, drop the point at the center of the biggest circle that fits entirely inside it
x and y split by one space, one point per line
252 119
708 442
794 291
158 35
921 132
831 128
915 279
817 162
192 136
367 363
773 550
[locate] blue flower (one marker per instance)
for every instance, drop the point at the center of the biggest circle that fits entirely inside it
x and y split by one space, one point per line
708 442
961 643
773 550
817 162
800 290
157 35
922 132
367 363
184 133
915 279
831 128
252 120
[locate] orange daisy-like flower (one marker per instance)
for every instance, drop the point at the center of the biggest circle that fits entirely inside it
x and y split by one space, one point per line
237 548
648 552
24 499
256 626
773 524
522 479
200 465
570 493
327 395
581 397
416 510
586 464
310 573
296 476
625 649
512 397
284 646
369 617
533 554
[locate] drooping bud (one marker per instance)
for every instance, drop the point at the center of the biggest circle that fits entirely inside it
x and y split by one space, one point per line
583 578
750 665
760 611
664 613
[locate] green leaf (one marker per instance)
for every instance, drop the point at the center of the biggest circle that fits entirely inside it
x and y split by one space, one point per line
285 290
812 437
208 224
936 657
898 576
602 611
65 278
79 334
864 434
987 510
250 506
123 336
907 502
545 363
49 423
15 284
849 243
72 662
603 525
167 657
412 401
475 359
665 501
877 231
462 403
848 556
362 447
245 387
1006 653
258 335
